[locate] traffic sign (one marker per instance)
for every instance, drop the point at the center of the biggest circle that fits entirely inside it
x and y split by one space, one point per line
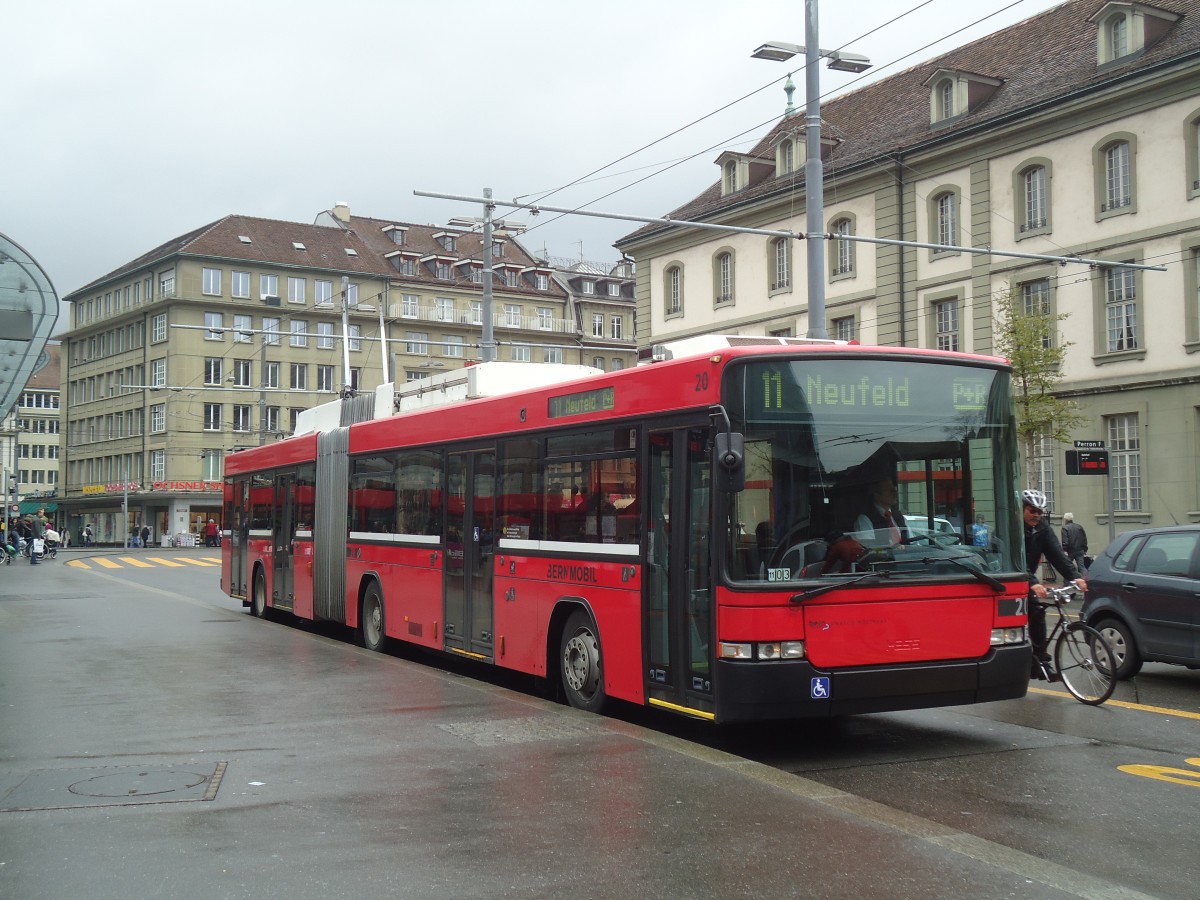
16 508
1089 445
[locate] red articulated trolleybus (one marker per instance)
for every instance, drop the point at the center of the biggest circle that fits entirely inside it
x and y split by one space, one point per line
705 533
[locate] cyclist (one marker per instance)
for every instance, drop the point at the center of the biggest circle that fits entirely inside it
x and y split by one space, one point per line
1040 540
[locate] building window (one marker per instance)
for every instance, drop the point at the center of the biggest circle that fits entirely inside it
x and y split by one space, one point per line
158 373
512 278
158 465
158 418
1034 206
1120 309
843 328
243 326
616 328
298 377
325 336
945 222
553 355
241 285
355 337
212 416
452 346
614 289
674 291
841 263
324 378
1043 466
323 293
1124 462
723 276
1191 140
545 318
270 374
1035 301
270 331
166 284
945 324
597 324
417 342
781 264
210 282
409 306
543 281
212 371
158 328
617 364
1116 35
215 322
598 363
241 417
512 315
299 337
476 312
587 287
241 373
268 286
730 176
520 353
272 423
785 160
1116 175
296 290
445 309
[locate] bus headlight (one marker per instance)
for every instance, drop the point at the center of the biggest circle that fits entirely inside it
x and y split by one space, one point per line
781 650
1004 636
727 650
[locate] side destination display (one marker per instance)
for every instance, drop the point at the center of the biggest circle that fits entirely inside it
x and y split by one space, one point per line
599 400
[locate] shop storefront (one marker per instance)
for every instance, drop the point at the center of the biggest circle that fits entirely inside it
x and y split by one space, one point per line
175 511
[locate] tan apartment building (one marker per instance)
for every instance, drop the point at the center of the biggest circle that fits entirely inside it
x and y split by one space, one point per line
30 439
1073 133
218 339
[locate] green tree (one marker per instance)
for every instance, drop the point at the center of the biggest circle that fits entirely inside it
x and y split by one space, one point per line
1031 342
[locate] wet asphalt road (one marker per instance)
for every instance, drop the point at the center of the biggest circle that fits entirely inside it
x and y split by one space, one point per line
157 741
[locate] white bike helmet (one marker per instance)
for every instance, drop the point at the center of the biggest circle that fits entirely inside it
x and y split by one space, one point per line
1035 498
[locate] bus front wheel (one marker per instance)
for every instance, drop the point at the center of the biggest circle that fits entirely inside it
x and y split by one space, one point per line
581 664
258 601
371 621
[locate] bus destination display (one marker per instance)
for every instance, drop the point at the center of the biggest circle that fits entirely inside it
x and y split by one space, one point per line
599 400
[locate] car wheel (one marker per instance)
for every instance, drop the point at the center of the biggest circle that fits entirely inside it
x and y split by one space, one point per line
1119 638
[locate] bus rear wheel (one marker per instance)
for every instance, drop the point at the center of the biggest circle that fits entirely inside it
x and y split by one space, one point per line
581 664
258 597
371 622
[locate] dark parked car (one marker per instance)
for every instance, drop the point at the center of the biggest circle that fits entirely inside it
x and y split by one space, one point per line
1144 597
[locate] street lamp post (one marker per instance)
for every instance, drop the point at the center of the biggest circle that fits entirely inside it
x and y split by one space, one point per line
814 174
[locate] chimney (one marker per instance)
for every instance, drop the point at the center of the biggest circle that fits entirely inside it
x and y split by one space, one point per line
341 211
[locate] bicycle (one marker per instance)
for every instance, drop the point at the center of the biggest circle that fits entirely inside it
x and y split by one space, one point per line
1083 660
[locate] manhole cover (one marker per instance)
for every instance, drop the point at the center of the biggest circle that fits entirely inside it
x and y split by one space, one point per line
114 786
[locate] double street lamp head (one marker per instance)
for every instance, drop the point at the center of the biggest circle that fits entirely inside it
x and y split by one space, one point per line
839 60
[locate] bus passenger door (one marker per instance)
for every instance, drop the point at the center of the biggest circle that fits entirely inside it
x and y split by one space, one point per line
678 595
470 542
237 523
285 528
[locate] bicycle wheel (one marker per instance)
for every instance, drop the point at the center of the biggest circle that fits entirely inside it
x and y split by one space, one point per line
1086 663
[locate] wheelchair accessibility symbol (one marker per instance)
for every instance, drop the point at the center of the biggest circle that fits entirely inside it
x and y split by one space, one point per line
820 687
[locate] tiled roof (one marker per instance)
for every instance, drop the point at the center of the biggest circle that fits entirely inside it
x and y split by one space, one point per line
1045 58
272 242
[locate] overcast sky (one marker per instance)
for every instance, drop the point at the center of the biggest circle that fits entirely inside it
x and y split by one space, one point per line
134 121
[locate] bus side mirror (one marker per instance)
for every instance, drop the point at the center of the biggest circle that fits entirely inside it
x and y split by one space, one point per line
731 461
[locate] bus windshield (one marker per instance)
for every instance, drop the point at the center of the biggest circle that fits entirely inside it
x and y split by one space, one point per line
901 467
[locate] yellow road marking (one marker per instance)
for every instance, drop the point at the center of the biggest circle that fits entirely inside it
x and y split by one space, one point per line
107 563
135 562
1190 777
78 563
165 562
206 563
1125 704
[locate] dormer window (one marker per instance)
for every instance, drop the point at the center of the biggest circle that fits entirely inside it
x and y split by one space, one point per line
785 158
731 179
446 240
397 234
1126 29
953 94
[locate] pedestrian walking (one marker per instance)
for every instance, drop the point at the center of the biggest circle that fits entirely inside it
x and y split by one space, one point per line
212 534
145 535
1074 541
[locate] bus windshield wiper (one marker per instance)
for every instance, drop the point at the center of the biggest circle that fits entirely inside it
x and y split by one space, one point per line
978 574
826 588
